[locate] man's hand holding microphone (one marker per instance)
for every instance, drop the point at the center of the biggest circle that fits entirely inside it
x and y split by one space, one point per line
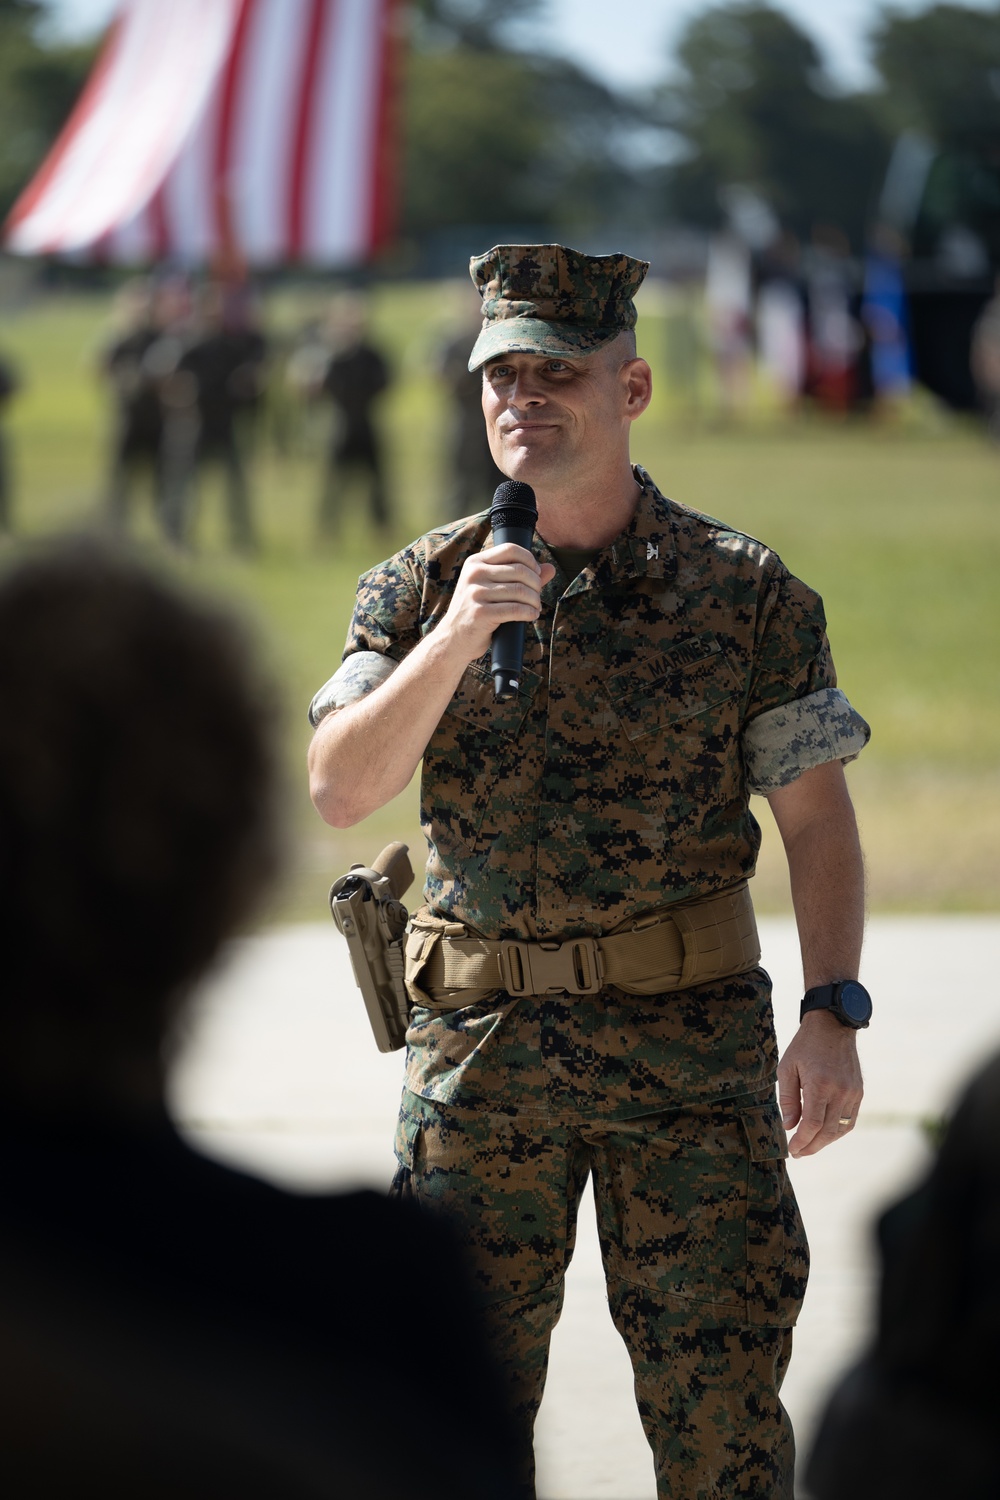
367 752
499 589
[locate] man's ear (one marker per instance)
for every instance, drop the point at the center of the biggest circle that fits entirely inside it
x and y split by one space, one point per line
638 378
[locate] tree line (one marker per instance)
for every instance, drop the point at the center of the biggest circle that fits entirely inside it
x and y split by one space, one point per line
494 134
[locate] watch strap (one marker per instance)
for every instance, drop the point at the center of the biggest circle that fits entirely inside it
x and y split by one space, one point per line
828 997
820 997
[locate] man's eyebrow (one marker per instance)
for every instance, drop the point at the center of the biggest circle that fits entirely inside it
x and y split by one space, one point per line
505 359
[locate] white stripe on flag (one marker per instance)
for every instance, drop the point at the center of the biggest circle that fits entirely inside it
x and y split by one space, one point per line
338 193
265 127
189 192
131 243
298 141
119 156
91 142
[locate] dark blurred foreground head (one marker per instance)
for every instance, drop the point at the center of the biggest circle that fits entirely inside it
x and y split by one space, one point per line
137 820
173 1329
917 1419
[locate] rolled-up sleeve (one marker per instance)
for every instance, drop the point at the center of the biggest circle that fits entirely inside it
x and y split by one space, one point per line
783 742
354 679
796 717
384 627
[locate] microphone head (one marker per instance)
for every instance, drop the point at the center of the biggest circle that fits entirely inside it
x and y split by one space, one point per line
513 505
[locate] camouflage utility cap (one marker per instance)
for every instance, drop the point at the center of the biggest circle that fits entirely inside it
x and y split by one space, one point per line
548 299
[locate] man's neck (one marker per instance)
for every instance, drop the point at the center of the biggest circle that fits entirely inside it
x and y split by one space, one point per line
588 516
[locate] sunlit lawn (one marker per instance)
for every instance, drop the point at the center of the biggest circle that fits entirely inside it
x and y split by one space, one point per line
897 524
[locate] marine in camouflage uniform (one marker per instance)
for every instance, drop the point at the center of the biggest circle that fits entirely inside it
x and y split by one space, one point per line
678 669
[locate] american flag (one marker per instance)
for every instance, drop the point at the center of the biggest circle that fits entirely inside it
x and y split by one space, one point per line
250 130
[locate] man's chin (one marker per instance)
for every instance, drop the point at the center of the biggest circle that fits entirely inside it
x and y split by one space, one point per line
526 463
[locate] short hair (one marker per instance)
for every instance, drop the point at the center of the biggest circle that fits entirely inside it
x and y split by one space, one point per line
625 345
137 788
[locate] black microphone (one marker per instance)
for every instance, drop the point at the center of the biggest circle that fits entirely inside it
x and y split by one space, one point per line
512 518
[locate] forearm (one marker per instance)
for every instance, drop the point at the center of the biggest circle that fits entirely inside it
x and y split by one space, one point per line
363 755
827 876
819 1076
826 873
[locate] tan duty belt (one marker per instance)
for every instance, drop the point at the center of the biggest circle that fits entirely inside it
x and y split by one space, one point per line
671 948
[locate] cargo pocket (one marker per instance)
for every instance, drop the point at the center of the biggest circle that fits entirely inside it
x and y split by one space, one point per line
777 1250
409 1133
672 1207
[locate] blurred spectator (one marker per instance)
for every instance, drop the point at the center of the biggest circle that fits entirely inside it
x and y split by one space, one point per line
884 315
985 358
174 1328
781 323
728 305
472 473
10 384
835 336
216 381
137 437
917 1419
355 377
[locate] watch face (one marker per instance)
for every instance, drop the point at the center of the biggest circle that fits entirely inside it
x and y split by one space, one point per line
855 1002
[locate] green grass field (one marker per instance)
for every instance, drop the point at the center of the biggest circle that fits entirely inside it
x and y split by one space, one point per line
897 524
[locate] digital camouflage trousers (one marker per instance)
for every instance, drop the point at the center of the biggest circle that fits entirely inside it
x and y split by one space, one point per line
704 1254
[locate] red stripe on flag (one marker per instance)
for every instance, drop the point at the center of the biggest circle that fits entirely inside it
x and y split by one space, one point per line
100 251
229 91
383 162
82 111
303 142
159 224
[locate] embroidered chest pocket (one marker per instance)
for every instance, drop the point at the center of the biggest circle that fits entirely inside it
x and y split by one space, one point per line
679 683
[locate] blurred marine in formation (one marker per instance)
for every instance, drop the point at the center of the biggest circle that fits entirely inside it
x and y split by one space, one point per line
355 377
150 318
214 386
586 998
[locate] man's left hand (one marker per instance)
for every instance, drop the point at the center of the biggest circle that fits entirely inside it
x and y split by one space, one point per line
819 1083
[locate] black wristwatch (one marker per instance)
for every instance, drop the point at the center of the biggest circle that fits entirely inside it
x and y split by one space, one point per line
848 1000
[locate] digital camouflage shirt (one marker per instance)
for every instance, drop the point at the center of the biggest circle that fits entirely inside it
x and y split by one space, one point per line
682 670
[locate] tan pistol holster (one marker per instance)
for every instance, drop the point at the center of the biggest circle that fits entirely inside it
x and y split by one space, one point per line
368 908
671 948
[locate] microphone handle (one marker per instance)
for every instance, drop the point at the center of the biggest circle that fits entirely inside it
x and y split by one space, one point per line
508 639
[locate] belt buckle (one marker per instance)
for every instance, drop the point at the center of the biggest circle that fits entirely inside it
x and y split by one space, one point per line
575 966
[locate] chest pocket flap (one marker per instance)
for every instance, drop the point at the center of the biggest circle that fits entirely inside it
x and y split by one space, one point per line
475 704
668 686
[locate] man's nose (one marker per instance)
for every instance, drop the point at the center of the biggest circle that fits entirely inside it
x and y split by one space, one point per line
526 390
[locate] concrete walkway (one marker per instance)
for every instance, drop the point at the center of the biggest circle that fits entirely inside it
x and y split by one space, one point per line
279 1073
